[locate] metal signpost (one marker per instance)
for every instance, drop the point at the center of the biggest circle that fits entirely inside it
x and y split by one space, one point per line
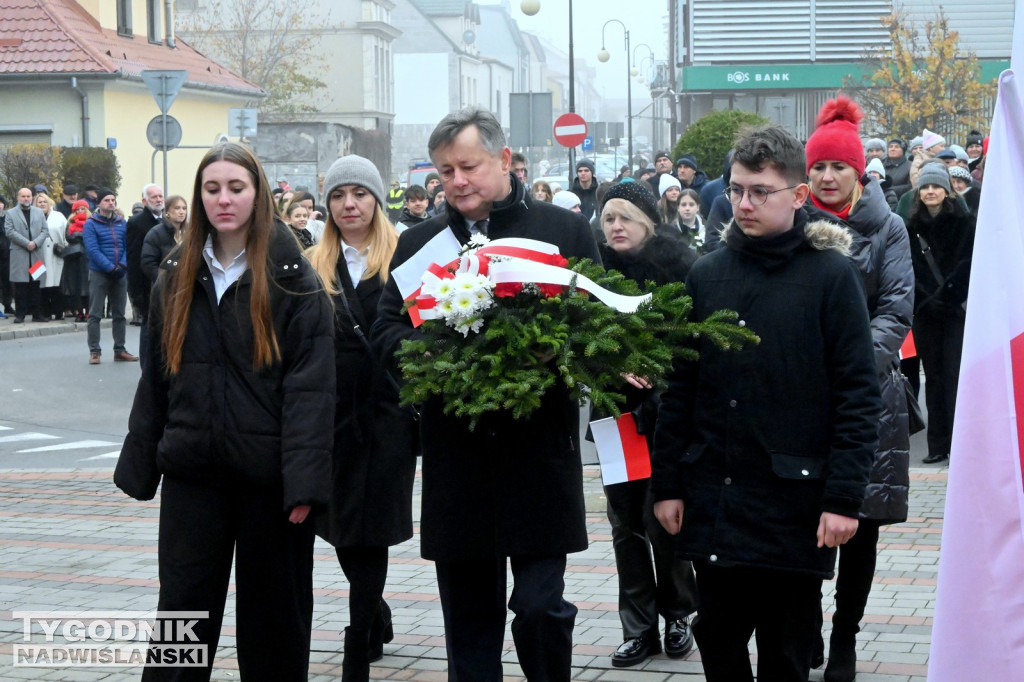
164 132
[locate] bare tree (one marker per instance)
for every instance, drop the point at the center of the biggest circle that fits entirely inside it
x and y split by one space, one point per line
922 80
272 43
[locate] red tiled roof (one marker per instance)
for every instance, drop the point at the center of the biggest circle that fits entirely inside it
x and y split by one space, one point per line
56 37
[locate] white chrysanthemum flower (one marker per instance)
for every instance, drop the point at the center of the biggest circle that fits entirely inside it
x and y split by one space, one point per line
445 288
465 302
478 240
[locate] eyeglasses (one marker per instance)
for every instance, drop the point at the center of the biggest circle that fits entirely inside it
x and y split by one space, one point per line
758 194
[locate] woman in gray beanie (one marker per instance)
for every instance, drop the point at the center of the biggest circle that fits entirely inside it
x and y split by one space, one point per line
375 440
941 242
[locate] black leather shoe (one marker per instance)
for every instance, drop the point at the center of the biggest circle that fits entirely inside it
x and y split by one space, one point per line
678 638
933 459
636 650
818 655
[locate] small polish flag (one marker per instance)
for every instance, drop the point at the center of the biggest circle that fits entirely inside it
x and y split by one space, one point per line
621 450
908 349
37 270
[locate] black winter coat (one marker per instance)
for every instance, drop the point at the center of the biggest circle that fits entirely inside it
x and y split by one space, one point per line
588 198
134 237
881 251
664 258
511 487
217 421
375 440
158 243
898 172
758 443
950 236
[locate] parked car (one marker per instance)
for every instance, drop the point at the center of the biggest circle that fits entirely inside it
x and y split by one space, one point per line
418 174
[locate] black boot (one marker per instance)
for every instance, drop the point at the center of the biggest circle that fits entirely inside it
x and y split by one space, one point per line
381 632
355 664
842 658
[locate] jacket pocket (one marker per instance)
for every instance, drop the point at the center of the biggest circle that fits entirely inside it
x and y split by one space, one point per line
693 453
797 467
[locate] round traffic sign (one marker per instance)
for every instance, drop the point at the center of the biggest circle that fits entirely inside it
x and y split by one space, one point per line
570 130
155 133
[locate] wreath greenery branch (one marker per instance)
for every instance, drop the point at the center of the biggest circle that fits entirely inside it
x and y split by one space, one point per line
529 341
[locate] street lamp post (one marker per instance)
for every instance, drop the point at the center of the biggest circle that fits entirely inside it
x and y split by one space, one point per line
529 8
603 56
636 70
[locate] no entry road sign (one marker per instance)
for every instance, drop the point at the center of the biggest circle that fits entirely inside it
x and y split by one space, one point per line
570 130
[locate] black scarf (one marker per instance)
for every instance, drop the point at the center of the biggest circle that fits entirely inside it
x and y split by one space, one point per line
771 252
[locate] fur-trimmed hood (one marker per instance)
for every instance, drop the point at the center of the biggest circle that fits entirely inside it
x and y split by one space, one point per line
819 234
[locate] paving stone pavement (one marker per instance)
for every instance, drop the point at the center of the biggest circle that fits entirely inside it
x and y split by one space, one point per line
69 540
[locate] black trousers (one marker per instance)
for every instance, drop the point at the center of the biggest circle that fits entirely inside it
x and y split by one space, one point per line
939 337
53 302
665 586
856 573
473 603
27 299
366 569
780 608
201 528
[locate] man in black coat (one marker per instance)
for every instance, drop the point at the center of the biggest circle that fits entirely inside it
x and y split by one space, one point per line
768 449
139 226
508 490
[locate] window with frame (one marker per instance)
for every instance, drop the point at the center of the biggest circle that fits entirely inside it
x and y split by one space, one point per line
124 18
153 23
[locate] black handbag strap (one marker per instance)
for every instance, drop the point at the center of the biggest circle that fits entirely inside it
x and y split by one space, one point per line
357 328
926 251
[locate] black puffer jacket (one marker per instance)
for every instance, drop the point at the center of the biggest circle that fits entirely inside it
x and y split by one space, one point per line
898 171
158 243
881 251
219 422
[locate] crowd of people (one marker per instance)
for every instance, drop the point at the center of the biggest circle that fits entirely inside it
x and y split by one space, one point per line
267 315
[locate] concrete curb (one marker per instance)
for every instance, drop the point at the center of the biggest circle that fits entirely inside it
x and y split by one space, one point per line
10 331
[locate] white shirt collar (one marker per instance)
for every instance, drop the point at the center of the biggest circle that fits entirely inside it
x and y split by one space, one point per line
223 277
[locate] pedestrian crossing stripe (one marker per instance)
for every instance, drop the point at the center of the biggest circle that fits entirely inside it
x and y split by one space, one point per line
31 435
71 446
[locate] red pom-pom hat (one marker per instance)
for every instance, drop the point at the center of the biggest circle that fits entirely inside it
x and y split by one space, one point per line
837 137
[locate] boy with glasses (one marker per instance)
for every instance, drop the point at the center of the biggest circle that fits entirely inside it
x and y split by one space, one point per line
762 455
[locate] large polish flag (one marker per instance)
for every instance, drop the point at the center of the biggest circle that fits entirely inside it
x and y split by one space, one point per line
978 631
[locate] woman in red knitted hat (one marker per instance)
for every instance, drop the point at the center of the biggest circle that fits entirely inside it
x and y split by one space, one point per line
843 194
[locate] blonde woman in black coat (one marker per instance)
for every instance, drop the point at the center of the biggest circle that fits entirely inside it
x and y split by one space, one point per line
653 580
375 439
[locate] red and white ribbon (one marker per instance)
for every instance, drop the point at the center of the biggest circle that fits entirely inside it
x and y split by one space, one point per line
521 261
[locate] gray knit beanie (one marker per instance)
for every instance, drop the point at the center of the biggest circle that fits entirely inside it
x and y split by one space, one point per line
874 143
354 170
934 174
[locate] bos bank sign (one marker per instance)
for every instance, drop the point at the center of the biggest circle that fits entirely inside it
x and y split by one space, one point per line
790 76
768 76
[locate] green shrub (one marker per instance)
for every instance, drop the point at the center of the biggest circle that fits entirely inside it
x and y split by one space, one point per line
27 165
90 166
711 137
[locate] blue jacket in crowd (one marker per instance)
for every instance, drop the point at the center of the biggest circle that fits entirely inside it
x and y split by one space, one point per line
105 242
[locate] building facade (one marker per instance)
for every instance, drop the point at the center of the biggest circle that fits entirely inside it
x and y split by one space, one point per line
795 55
71 76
